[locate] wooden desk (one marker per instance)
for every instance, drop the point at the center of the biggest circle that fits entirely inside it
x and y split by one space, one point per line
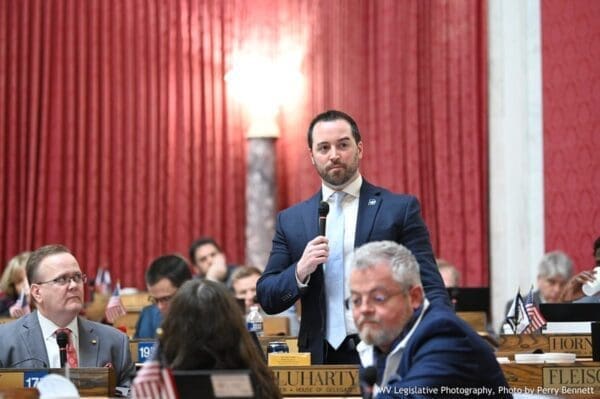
579 344
573 380
477 320
92 381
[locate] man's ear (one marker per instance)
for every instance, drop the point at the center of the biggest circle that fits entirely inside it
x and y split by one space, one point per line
415 296
34 291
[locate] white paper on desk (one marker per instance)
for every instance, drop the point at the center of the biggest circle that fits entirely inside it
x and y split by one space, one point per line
567 327
53 386
232 386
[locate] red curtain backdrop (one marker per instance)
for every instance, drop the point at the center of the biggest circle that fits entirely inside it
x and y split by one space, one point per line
571 83
119 138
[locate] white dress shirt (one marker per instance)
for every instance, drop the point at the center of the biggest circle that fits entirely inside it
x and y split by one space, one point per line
49 334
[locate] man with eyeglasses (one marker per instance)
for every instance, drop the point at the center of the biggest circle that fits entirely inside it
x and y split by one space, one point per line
415 346
57 285
163 278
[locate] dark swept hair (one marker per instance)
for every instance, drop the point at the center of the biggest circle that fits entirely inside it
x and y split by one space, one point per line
172 267
333 115
37 256
200 242
205 329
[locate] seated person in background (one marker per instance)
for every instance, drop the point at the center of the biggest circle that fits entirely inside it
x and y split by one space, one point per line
205 330
554 270
572 290
57 291
243 285
163 278
208 261
411 342
12 283
449 272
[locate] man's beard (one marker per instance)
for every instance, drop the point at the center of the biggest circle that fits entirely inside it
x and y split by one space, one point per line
340 176
379 338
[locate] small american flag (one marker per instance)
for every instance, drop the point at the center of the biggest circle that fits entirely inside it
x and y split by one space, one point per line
115 308
153 382
536 318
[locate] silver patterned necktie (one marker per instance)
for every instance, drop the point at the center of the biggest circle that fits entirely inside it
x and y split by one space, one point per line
334 273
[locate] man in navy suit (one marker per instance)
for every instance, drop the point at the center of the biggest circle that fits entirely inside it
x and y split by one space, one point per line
370 213
417 348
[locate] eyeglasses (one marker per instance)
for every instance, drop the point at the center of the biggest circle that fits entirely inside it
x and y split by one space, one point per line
163 300
375 298
65 279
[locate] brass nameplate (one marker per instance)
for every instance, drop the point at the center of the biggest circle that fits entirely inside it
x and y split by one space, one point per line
317 380
289 359
572 376
580 344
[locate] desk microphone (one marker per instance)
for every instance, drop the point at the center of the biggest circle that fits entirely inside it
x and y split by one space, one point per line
368 377
62 339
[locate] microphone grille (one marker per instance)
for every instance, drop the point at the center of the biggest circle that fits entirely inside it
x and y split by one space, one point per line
369 375
62 339
323 209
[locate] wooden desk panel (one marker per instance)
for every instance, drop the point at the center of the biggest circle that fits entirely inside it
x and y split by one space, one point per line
477 320
93 381
574 380
580 344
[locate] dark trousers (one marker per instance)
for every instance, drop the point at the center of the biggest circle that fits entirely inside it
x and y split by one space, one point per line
345 354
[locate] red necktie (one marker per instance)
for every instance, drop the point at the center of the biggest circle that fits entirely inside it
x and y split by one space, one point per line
71 352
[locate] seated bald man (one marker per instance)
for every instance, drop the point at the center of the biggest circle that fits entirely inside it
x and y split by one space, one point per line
57 291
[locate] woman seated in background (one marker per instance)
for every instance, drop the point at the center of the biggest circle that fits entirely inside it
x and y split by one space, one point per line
205 329
12 283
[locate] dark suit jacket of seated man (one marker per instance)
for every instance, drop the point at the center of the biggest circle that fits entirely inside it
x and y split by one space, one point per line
419 349
57 290
335 148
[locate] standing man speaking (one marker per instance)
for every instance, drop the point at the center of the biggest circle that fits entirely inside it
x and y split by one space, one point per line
311 266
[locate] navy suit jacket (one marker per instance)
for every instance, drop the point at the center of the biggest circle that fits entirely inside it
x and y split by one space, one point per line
382 215
148 322
22 346
444 352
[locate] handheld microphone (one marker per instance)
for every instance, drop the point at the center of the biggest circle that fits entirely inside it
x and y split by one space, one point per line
62 339
368 378
323 211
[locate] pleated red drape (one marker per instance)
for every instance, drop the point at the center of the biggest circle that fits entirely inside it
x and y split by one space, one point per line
115 138
118 137
571 70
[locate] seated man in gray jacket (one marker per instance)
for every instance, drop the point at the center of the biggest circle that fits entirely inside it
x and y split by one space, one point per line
57 291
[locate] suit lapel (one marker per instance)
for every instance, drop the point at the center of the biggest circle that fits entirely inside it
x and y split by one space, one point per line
310 216
33 339
88 344
368 205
